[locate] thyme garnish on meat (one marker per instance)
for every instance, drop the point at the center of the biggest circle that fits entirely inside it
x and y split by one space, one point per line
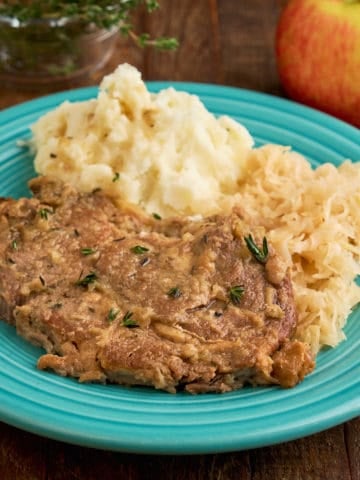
44 212
139 249
174 292
128 321
112 314
14 245
89 278
236 293
156 216
260 255
88 251
116 177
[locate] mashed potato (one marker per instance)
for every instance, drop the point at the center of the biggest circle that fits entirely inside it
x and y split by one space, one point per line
164 152
168 154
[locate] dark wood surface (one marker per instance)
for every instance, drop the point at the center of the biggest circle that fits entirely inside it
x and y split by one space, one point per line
229 42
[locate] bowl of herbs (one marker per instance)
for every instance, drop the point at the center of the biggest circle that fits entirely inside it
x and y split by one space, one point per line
56 43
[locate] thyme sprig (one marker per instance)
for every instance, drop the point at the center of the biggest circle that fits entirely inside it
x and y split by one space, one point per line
236 293
261 255
105 14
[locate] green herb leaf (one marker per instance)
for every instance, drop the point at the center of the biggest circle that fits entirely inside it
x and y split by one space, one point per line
116 177
14 245
128 321
163 43
156 216
174 292
112 314
143 39
152 5
138 249
90 278
236 293
44 212
88 251
260 255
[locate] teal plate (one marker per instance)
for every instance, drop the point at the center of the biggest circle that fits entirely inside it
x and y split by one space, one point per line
142 420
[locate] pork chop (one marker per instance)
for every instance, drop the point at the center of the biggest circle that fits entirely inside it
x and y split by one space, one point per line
114 295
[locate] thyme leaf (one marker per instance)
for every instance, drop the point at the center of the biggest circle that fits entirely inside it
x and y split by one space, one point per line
139 249
89 278
116 177
236 293
261 255
128 320
88 251
174 292
112 314
44 212
156 216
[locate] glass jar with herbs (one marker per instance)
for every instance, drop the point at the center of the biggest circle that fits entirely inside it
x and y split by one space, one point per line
52 43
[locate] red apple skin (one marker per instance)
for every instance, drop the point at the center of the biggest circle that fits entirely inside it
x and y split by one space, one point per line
318 55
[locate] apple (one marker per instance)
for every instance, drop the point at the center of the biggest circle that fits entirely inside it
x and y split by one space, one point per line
317 47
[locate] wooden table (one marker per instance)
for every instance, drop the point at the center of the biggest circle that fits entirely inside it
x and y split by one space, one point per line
228 42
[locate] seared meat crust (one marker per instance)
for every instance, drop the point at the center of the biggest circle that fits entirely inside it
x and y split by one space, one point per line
114 295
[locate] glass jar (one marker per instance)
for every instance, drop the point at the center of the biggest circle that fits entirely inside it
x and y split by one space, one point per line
51 52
